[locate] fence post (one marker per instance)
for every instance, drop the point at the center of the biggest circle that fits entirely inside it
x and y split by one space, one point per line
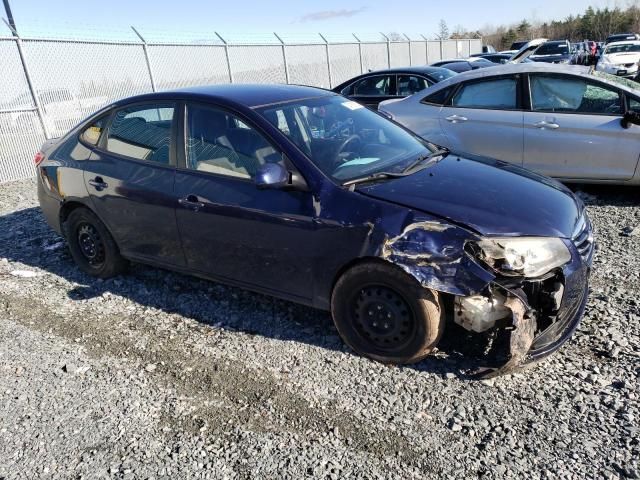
388 49
284 58
470 47
326 44
27 76
226 56
441 51
426 49
146 58
409 44
359 52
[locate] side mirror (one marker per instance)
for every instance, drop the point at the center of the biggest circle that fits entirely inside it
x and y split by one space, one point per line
275 176
630 118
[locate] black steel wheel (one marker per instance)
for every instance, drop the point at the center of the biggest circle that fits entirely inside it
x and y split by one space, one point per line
385 314
382 316
91 245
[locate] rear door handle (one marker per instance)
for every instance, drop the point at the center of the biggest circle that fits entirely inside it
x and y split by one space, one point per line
456 119
543 125
98 183
191 202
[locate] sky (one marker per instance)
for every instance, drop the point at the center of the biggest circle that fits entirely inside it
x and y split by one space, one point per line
296 18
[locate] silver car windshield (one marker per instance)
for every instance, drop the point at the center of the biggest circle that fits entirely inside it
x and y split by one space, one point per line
345 139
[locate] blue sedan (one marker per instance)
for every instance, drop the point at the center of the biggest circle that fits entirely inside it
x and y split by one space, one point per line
303 194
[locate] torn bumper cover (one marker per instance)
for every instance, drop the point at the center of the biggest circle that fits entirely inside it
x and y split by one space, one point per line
526 318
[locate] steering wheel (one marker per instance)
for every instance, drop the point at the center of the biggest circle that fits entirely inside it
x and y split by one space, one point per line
350 139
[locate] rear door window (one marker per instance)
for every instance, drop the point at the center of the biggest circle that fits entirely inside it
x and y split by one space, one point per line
142 132
573 95
496 94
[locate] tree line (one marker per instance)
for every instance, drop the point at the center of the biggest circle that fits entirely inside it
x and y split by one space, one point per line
594 24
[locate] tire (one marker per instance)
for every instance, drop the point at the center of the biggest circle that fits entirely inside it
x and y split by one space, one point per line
384 314
92 246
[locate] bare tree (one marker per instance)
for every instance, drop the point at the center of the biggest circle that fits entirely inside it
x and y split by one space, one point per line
443 32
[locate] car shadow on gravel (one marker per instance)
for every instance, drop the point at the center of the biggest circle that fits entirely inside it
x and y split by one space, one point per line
608 195
26 238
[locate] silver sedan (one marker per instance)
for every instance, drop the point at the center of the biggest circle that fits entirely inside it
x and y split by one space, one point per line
563 121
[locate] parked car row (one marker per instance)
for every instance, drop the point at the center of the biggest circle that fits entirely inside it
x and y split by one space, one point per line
433 214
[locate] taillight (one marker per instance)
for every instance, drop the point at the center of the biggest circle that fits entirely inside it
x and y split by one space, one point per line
38 158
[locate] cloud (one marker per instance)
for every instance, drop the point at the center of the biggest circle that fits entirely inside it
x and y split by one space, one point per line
330 14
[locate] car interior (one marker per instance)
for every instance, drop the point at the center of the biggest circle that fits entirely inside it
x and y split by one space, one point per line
136 135
220 143
572 96
334 137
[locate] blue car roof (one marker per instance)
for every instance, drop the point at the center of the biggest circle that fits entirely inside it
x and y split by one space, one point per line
249 95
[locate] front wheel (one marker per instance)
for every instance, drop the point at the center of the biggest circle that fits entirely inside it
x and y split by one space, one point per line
385 314
92 246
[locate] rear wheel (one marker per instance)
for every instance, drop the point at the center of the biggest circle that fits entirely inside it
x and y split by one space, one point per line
92 246
385 314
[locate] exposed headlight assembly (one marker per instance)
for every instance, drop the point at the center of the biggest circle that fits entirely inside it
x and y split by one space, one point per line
522 256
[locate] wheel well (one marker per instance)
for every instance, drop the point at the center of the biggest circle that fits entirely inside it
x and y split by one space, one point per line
69 207
353 263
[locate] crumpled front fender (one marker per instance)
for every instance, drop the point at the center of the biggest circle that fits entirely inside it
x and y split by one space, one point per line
433 253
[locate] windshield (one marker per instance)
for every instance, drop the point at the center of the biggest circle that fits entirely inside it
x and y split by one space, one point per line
344 139
553 49
625 47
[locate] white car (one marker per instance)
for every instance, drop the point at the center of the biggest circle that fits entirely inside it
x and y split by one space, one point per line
620 58
564 121
61 110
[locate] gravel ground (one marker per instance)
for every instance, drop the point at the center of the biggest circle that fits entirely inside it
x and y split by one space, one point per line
158 375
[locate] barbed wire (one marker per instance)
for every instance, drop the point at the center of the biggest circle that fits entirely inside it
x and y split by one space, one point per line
155 34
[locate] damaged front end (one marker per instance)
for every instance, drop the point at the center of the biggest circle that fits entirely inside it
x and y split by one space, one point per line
520 298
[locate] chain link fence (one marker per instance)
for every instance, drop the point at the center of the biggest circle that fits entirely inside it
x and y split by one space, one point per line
49 85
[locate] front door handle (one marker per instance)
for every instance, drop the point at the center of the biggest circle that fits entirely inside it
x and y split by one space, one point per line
98 183
543 125
456 119
191 202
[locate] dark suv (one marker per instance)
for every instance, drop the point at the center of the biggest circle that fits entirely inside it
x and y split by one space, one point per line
556 51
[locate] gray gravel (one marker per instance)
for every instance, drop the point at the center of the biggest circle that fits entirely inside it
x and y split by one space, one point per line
158 375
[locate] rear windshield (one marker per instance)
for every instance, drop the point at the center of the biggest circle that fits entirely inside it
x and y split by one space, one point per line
553 49
441 74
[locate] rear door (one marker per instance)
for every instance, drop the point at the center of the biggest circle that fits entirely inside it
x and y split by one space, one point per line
484 117
130 179
574 130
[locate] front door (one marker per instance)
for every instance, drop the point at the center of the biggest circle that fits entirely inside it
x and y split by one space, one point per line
574 130
229 228
130 178
484 118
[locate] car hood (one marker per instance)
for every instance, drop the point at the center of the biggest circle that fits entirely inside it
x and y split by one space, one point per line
488 196
622 58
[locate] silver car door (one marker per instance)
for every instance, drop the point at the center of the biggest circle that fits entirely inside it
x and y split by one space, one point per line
574 130
483 118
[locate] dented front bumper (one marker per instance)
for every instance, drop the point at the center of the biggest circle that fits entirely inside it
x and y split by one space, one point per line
538 326
540 314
